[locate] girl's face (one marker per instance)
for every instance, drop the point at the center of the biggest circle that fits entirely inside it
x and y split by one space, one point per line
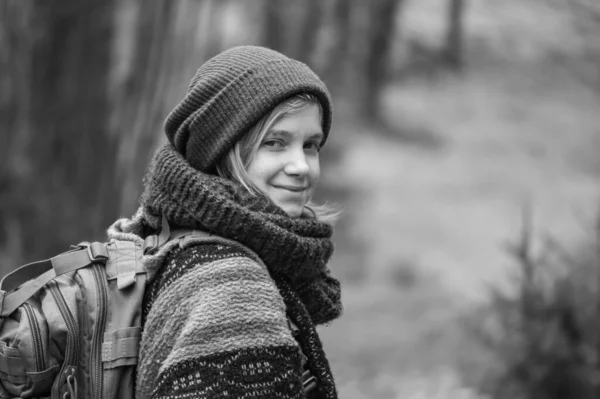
286 165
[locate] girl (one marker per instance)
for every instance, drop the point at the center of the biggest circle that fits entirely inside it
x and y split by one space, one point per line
234 314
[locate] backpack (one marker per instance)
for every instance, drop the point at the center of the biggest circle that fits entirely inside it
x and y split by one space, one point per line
70 326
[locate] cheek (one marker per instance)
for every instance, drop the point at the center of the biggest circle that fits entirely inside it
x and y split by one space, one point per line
315 170
254 175
261 171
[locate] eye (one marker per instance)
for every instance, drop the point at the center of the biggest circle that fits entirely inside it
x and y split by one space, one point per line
273 143
313 146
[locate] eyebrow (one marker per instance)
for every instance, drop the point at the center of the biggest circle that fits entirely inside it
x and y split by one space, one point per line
285 133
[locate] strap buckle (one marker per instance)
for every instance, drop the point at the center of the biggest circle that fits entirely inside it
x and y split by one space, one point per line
154 242
97 252
150 244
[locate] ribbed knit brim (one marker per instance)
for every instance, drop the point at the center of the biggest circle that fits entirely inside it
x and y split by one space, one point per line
230 93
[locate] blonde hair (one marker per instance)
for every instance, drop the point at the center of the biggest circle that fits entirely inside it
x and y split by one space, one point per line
233 166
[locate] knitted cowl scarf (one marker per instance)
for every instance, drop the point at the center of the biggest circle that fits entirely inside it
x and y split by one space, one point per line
295 251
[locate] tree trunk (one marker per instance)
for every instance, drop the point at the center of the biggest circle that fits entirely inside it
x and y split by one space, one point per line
335 66
453 50
382 14
167 46
140 92
309 30
15 84
273 28
61 174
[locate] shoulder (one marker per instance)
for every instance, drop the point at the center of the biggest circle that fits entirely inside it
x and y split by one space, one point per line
213 285
209 260
219 311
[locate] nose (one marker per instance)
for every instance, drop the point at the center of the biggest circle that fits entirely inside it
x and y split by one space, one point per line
297 165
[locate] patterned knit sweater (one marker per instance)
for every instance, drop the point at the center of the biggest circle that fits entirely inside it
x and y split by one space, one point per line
219 323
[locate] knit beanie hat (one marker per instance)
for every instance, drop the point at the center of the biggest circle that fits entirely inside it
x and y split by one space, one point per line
230 93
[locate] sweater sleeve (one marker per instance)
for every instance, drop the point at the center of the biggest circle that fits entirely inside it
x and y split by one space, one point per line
218 330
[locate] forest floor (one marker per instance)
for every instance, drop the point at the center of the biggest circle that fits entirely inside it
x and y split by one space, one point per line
426 230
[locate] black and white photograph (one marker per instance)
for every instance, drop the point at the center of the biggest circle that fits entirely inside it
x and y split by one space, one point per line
311 199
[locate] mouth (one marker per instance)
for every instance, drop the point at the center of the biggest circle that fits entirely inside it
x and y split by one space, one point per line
295 189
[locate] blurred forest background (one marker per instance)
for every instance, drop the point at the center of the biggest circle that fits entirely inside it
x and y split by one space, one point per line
464 151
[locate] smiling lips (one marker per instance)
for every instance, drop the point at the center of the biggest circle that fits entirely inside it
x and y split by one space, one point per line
295 189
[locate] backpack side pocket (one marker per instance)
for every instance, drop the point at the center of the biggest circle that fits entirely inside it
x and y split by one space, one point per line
29 359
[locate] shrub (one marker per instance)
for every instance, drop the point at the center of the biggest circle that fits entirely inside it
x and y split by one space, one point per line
545 335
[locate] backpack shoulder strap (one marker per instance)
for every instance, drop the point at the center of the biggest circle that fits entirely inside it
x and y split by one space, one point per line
153 242
33 276
186 235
